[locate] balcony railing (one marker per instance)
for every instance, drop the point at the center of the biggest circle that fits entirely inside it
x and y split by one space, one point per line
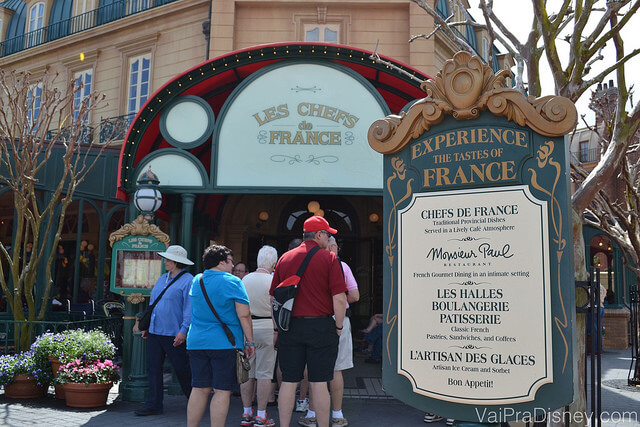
586 156
78 23
109 129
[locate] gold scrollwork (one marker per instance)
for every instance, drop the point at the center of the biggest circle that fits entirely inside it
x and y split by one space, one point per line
392 225
139 227
135 298
544 158
463 88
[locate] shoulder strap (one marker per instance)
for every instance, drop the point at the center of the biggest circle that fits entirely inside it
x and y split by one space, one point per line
165 289
306 260
227 331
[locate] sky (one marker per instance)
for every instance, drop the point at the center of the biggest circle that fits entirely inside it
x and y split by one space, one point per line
518 19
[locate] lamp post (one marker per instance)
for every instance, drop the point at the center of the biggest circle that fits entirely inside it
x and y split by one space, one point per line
147 199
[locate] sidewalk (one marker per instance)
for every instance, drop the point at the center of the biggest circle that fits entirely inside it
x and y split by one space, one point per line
364 405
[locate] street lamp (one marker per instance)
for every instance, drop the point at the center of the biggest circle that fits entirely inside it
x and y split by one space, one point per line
147 197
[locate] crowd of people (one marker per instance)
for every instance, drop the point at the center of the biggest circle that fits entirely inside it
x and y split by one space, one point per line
200 322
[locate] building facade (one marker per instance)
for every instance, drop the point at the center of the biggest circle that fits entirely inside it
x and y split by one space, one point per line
194 86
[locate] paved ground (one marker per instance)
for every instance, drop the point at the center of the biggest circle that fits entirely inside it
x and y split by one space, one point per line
365 404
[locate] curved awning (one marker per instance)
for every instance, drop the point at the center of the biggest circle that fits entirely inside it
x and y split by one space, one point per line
215 80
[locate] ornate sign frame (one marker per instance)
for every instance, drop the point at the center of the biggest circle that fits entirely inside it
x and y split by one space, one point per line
478 279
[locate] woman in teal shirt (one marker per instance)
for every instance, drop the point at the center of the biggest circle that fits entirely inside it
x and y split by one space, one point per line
213 357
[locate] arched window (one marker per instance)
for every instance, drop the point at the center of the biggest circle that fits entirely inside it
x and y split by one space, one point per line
36 23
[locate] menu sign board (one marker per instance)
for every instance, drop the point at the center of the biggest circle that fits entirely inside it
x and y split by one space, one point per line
473 267
135 264
478 263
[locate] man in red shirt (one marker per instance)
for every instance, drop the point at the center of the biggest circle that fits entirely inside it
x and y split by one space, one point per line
312 339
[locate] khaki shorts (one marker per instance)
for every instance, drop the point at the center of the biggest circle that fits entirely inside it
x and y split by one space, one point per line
345 348
264 361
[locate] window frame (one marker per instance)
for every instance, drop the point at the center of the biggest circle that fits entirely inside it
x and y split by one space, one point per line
35 24
138 98
342 22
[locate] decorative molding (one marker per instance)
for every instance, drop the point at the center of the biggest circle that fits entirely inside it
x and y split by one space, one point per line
139 227
463 88
75 63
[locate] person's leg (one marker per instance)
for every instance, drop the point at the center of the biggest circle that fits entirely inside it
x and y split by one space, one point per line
286 400
219 407
336 386
321 399
247 391
155 362
264 387
180 362
197 405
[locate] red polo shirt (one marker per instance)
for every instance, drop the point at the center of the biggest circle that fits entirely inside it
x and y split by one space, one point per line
321 280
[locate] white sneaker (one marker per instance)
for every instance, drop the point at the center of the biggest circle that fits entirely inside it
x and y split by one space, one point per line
450 421
302 405
431 418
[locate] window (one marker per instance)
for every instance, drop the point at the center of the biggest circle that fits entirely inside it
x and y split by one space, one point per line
327 33
84 83
36 23
33 105
82 17
1 33
485 50
134 6
138 86
584 151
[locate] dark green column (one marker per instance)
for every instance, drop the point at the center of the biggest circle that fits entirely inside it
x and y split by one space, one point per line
187 222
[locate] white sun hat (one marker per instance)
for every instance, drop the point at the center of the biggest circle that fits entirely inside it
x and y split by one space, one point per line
176 253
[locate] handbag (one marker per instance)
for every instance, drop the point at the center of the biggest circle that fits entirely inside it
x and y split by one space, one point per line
284 295
144 321
242 362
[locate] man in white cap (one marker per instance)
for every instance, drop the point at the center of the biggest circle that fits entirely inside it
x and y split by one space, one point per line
167 332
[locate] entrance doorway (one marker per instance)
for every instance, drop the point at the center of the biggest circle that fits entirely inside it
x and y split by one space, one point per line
247 222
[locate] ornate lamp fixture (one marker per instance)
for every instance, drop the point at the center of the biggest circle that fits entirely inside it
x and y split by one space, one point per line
147 197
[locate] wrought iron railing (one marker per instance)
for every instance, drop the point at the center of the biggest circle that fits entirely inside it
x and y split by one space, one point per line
85 21
586 156
109 129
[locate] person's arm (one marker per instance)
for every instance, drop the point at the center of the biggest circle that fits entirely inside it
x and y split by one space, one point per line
244 314
181 336
339 309
353 294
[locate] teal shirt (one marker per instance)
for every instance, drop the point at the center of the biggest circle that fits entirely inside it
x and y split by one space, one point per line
224 290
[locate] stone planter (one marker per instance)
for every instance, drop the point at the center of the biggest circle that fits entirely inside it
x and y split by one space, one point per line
24 387
81 395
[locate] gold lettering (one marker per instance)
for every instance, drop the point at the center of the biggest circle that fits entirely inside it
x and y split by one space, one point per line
303 108
490 175
482 136
285 137
298 139
460 176
260 121
462 137
329 113
451 140
323 138
508 170
335 138
439 140
477 172
520 139
507 139
495 133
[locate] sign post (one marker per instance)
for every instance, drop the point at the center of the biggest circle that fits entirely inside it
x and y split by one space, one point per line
478 267
135 269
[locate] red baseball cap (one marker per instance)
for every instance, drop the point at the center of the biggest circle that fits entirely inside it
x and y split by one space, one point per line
317 223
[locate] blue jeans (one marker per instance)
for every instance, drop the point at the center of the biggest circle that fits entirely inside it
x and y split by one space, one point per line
159 346
375 339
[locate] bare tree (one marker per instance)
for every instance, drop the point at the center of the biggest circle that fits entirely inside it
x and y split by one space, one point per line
41 123
586 27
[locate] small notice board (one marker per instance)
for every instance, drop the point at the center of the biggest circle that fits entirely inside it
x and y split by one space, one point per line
135 262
